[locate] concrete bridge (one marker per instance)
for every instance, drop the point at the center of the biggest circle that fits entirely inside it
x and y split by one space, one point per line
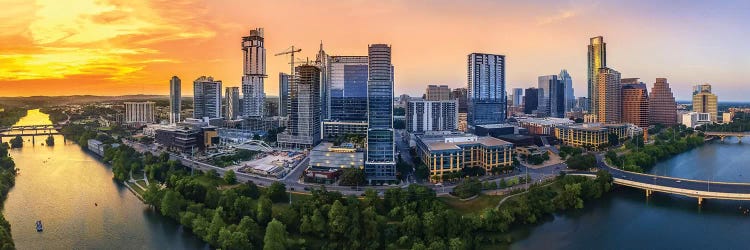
723 135
699 189
29 130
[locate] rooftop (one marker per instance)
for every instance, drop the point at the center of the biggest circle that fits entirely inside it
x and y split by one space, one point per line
453 141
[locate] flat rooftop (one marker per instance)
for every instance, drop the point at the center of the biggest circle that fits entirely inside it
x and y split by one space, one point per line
453 141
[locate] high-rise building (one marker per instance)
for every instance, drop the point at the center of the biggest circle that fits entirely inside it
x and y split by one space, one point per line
322 61
570 98
582 103
175 99
139 112
206 98
551 96
380 161
424 116
232 103
460 94
346 98
283 94
662 105
597 59
254 73
531 101
517 97
303 128
705 102
437 93
486 89
609 103
634 102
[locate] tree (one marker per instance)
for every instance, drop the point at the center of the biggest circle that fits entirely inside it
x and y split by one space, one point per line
50 141
570 197
264 210
318 223
613 139
153 195
276 236
338 220
352 177
16 142
277 192
230 177
171 203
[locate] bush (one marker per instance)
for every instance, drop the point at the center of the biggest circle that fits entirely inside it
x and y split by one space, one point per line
467 188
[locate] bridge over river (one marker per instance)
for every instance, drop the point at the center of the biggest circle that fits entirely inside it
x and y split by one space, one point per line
30 130
723 135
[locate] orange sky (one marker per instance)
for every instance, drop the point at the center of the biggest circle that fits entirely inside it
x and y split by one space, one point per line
111 47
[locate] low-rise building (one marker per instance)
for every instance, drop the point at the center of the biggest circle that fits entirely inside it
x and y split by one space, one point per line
448 153
97 147
591 135
543 126
326 155
695 119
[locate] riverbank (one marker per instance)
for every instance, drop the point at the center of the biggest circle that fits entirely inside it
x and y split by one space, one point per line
7 181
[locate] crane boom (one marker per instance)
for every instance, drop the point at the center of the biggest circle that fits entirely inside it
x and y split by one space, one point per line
291 50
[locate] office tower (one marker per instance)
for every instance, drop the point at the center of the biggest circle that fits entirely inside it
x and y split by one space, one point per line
232 103
662 105
705 102
303 128
517 99
609 96
597 58
283 94
531 101
175 99
322 61
206 98
460 94
582 103
424 116
380 163
437 93
486 89
570 98
254 72
346 98
139 112
551 97
634 102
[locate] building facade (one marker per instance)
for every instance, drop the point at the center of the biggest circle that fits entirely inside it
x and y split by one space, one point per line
139 112
706 102
517 99
597 59
346 89
450 153
332 129
424 116
635 103
175 99
437 93
380 160
254 73
486 89
303 128
206 98
551 96
460 95
570 97
232 103
543 126
531 101
590 135
283 94
662 105
609 99
695 119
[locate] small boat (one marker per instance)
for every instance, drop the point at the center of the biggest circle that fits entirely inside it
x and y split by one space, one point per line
39 227
96 205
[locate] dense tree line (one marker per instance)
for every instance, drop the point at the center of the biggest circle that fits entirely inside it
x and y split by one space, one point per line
581 162
16 142
669 142
740 123
11 115
124 160
7 180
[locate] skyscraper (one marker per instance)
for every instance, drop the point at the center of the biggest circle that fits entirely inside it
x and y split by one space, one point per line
570 98
139 112
551 96
609 96
424 116
460 95
531 101
486 89
635 102
380 162
437 93
175 99
346 98
283 94
597 58
517 97
662 105
254 72
206 98
303 129
705 102
232 103
322 60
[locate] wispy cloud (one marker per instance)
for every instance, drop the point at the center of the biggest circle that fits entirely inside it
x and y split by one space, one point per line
560 16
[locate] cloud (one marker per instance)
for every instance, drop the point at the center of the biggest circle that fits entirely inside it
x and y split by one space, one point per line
560 16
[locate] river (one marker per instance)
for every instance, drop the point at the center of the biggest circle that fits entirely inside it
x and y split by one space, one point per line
60 185
626 219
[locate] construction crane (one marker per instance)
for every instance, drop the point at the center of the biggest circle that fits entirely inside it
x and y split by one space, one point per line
291 51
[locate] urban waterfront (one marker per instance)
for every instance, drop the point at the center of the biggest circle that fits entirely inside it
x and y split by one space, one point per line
80 205
626 219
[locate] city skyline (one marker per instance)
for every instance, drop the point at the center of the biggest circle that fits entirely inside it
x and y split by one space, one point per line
119 50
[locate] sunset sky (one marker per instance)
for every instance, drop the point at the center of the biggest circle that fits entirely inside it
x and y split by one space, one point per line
113 47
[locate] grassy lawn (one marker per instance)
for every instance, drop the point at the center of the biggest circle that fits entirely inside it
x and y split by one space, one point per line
471 206
208 181
137 189
142 183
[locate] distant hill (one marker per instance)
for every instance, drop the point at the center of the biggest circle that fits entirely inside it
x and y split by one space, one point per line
44 101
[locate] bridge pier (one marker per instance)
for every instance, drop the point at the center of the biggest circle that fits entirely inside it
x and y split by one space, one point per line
649 192
739 137
722 138
700 201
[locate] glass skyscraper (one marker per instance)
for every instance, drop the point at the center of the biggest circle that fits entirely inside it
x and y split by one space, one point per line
551 96
486 89
380 163
283 94
346 88
206 98
597 59
175 99
570 98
